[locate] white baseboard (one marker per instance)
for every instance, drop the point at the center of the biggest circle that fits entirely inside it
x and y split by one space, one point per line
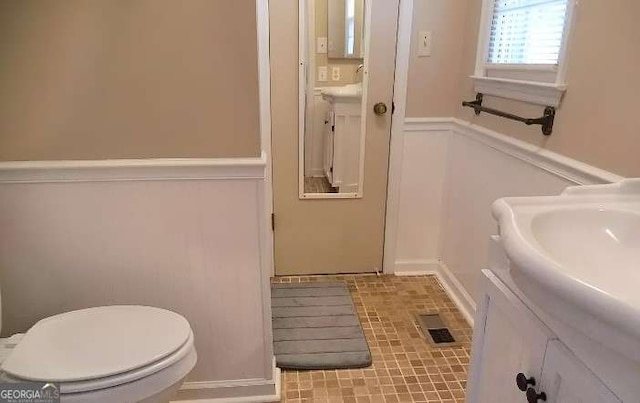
458 294
447 280
416 267
235 391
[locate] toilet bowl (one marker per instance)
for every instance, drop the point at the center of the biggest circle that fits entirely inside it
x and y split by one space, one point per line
115 353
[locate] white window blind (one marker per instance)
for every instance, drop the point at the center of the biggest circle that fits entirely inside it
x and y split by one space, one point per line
526 31
350 32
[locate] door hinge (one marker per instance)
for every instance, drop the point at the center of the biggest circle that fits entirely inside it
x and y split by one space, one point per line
393 107
273 222
333 128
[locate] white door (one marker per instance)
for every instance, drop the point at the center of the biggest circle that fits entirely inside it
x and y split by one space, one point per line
566 380
508 340
337 230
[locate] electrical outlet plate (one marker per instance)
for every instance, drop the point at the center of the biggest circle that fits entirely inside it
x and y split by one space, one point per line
425 41
335 73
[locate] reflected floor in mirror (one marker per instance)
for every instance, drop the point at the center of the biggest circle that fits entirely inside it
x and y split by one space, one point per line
318 185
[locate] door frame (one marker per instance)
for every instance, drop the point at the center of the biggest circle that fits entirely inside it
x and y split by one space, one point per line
403 52
264 99
396 146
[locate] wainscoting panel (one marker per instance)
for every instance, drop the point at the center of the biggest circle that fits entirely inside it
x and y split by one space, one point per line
477 175
163 234
452 171
423 174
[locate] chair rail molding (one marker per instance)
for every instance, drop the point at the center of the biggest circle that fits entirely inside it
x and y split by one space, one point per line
568 168
133 169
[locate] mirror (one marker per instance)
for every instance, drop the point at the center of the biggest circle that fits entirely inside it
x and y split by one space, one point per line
345 21
331 106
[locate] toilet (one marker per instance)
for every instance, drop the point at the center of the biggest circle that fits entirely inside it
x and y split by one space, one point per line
117 353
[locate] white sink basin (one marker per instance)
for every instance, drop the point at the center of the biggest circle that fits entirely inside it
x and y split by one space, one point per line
614 236
347 93
578 257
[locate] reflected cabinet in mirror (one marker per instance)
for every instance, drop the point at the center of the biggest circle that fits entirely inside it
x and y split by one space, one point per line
331 113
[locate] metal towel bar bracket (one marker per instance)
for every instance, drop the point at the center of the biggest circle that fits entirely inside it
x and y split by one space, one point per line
546 120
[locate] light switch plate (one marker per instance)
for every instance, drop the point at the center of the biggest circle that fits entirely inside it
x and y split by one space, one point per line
322 73
321 45
335 73
425 42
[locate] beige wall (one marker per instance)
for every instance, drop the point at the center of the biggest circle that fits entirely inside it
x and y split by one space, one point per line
128 79
596 122
434 81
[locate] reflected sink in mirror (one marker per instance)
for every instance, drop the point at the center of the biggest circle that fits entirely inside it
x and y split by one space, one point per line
577 256
347 93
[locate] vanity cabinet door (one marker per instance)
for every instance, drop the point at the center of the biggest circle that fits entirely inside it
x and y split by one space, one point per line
507 340
328 146
566 380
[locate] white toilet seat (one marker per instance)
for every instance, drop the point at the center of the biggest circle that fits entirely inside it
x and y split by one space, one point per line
159 387
96 343
130 376
131 351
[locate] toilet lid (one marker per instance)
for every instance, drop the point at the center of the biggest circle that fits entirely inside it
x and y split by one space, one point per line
96 342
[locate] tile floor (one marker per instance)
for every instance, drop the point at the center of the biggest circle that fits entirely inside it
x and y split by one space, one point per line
406 367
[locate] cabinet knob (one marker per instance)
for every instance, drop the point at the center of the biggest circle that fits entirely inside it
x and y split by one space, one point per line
523 382
534 397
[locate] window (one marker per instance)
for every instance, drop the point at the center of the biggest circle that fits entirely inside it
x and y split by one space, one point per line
521 49
350 32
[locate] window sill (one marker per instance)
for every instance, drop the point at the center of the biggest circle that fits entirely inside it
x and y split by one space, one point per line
545 94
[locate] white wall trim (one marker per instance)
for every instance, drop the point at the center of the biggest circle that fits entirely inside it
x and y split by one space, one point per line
234 391
546 94
447 280
565 167
264 90
418 125
133 170
266 203
396 145
458 294
421 267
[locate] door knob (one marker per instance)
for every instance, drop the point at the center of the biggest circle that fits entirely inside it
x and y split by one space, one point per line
534 397
523 382
380 108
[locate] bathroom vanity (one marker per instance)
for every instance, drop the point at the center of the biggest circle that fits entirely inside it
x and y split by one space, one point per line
343 136
558 319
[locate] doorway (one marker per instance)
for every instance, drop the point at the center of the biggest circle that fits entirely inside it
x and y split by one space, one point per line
332 76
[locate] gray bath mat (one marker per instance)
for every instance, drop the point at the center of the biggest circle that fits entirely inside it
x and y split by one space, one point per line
315 326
